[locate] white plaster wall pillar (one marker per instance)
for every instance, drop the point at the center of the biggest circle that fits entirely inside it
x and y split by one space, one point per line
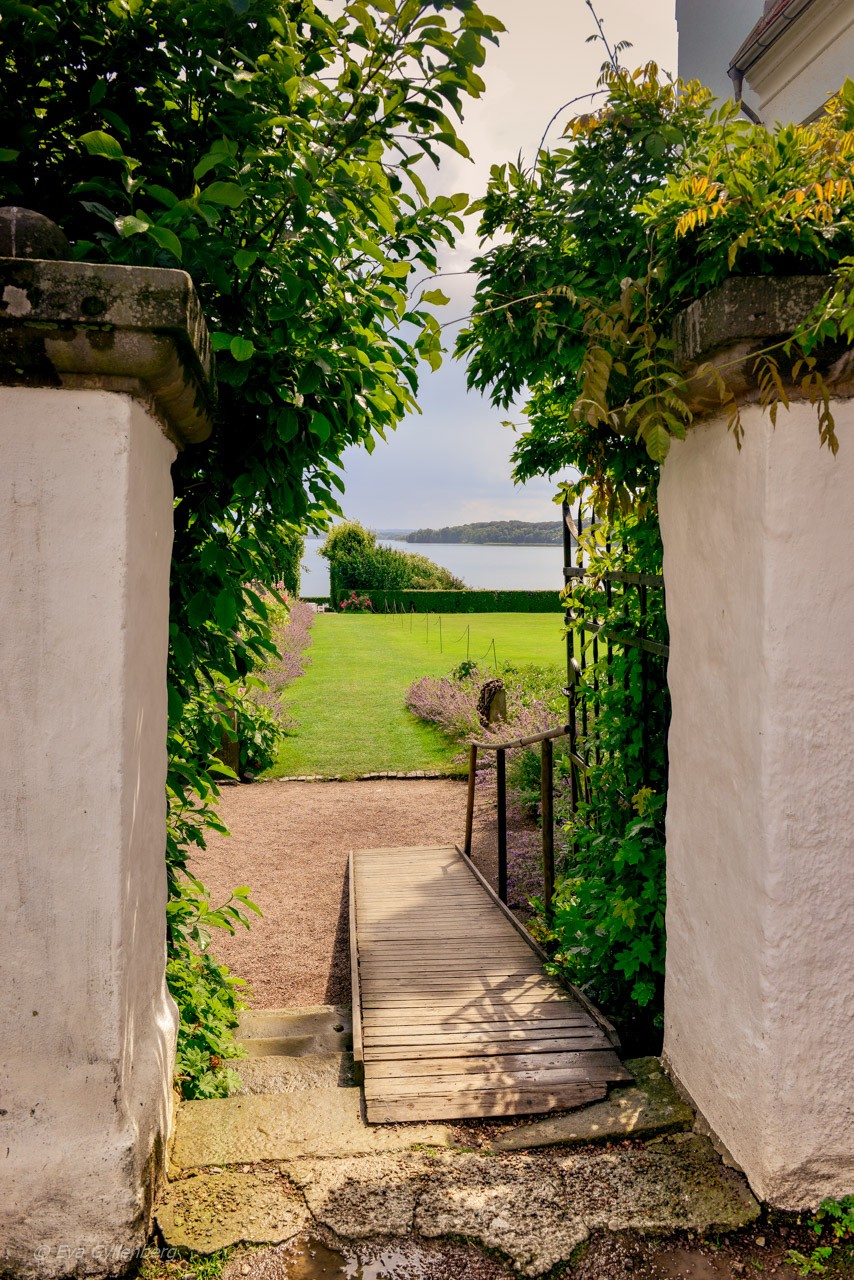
87 1027
759 572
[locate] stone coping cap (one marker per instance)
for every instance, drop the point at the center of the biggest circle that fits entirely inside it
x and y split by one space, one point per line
746 308
138 330
728 326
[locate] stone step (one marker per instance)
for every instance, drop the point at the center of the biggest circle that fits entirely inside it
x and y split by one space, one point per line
276 1073
648 1107
535 1210
321 1121
317 1029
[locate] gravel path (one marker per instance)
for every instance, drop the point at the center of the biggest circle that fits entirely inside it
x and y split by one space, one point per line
290 842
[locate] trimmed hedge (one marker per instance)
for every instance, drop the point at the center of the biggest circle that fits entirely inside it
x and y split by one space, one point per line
315 599
464 601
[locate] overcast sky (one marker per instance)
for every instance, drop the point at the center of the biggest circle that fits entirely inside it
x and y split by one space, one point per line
450 464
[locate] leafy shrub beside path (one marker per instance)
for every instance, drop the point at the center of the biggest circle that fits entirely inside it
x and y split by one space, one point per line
357 563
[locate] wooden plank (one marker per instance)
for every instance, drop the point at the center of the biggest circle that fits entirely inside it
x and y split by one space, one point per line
443 1004
444 895
490 998
600 1063
531 1101
413 959
378 1037
517 981
473 988
354 966
430 1012
438 947
445 968
445 1019
436 1032
452 932
471 984
464 901
370 955
482 1082
441 966
487 1048
456 1027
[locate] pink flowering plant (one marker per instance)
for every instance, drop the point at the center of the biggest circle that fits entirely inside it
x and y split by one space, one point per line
356 604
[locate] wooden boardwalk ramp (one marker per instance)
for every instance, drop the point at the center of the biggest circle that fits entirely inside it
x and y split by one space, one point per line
453 1015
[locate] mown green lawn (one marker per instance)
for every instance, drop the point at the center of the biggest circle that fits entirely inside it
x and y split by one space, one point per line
349 705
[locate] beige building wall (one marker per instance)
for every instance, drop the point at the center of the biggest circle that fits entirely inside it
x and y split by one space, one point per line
806 65
87 1028
759 571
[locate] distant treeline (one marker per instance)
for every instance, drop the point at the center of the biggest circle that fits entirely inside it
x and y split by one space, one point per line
510 533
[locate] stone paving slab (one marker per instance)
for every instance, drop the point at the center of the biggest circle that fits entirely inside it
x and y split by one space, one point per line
648 1107
535 1210
315 1122
278 1074
210 1211
296 1032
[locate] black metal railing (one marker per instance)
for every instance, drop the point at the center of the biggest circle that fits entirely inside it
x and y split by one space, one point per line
629 595
546 740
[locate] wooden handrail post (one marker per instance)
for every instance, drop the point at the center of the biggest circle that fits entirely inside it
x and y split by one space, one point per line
470 801
547 813
501 782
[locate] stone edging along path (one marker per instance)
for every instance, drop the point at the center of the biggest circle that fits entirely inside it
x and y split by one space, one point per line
368 777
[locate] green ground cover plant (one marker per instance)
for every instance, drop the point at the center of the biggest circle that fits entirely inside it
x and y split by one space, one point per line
350 705
272 149
833 1223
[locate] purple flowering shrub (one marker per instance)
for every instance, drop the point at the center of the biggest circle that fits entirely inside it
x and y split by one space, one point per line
449 703
291 630
534 704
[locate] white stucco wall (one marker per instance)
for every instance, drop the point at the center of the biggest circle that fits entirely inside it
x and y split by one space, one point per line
87 1028
807 64
710 31
759 1006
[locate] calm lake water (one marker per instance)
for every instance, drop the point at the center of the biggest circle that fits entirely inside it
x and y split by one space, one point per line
488 568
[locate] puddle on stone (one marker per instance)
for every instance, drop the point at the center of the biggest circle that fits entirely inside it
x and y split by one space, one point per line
318 1262
410 1259
681 1264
